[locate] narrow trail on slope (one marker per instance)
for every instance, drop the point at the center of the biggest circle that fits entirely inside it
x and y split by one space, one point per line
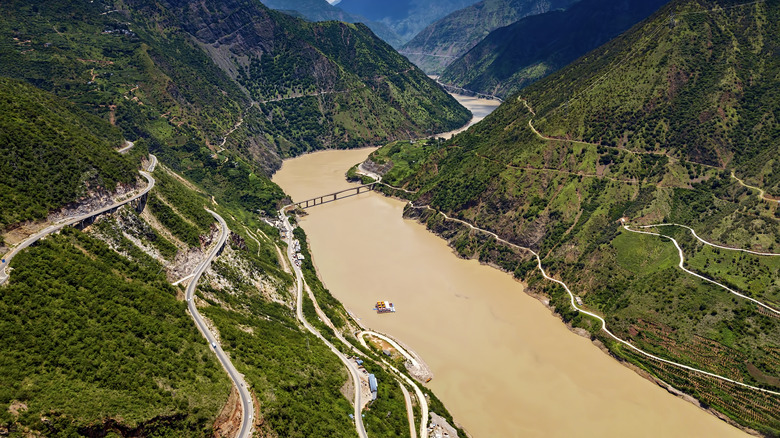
603 322
630 151
761 192
681 265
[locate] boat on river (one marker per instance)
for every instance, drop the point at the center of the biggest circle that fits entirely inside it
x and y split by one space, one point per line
384 307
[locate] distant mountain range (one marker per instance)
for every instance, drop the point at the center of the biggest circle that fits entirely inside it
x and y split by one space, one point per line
321 10
514 56
449 38
405 17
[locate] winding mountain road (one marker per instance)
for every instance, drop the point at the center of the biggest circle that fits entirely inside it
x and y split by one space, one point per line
235 376
682 261
420 396
351 366
603 322
409 410
75 219
761 192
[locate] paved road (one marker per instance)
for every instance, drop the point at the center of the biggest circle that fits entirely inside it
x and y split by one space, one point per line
128 145
75 219
409 410
351 366
603 322
420 396
390 341
235 376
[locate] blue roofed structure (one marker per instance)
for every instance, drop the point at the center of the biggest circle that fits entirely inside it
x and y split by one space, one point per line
372 385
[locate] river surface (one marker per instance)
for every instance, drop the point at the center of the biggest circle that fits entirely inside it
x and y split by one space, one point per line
503 364
480 108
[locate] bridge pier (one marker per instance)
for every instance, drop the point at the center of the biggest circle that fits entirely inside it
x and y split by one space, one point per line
141 203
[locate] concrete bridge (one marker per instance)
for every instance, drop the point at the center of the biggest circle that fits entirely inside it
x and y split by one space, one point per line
330 197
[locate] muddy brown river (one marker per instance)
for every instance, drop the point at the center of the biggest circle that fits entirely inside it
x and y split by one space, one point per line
503 364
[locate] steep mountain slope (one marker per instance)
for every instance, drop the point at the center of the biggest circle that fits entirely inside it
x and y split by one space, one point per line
97 341
646 130
449 38
53 154
322 79
181 72
516 55
405 17
321 10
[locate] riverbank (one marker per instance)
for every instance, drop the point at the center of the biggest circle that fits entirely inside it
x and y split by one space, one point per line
503 366
423 216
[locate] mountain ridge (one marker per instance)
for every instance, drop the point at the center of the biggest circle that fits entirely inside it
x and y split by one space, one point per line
450 37
643 131
321 10
405 17
514 56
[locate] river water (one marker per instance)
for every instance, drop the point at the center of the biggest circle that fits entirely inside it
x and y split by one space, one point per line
503 364
480 108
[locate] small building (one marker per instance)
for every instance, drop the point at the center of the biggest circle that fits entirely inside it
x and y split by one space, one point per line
373 386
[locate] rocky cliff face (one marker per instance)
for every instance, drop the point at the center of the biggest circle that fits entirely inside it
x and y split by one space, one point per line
311 85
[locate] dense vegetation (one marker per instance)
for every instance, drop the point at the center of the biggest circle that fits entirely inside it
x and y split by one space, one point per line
449 38
53 154
92 339
565 197
158 72
514 56
95 341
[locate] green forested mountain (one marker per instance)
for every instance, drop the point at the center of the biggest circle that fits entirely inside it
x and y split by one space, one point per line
321 10
91 336
647 128
449 38
53 154
315 83
175 70
514 56
96 341
182 76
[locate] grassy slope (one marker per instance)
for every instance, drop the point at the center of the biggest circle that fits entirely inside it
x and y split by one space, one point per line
703 88
45 140
565 199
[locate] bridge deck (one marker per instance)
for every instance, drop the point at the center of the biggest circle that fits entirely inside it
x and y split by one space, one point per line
330 197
